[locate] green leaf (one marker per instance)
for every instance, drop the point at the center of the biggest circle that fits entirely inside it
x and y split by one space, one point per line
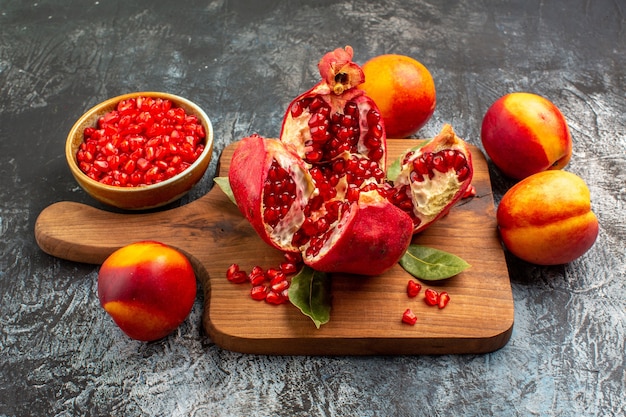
431 264
394 168
310 292
224 185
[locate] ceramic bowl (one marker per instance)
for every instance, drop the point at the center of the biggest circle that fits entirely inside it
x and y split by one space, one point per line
147 196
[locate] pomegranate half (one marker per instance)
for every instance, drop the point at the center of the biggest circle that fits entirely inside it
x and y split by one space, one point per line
358 233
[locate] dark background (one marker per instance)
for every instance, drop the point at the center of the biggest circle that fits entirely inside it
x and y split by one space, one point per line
243 61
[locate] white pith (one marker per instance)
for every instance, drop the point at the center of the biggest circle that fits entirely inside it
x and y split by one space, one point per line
430 196
296 132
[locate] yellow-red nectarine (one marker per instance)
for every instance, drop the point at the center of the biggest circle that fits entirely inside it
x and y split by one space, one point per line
404 91
525 133
148 288
546 218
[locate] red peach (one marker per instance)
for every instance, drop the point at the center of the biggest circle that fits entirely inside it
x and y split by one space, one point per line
148 289
524 133
546 218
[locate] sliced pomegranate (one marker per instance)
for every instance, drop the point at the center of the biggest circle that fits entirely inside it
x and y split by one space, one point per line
297 210
271 186
433 178
335 117
321 189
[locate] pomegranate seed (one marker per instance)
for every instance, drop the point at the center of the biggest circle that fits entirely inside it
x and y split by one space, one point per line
294 258
314 156
258 292
444 299
376 130
239 277
316 104
280 285
235 275
459 160
351 108
297 109
288 268
413 288
272 273
275 298
353 194
439 163
376 154
409 317
256 278
431 297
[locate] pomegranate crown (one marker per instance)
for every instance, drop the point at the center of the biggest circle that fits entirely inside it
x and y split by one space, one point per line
338 70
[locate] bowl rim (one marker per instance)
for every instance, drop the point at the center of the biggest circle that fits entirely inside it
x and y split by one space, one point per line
176 100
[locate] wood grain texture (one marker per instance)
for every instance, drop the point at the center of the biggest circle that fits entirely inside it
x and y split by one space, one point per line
366 311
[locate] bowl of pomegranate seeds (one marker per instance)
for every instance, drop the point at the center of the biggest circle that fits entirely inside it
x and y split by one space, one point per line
140 150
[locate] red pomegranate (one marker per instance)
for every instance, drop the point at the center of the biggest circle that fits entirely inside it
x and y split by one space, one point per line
295 209
334 116
321 189
433 178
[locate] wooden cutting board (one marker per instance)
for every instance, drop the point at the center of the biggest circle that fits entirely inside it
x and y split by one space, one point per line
366 311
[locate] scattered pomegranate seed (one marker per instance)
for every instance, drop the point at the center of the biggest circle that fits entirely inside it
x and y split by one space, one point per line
258 292
280 285
231 271
288 268
271 285
413 288
409 317
276 298
444 299
431 297
256 278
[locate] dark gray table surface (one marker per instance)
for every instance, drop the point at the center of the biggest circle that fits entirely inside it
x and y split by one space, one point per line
243 61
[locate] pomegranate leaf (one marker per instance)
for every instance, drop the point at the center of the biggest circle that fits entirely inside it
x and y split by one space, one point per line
224 185
431 264
395 167
310 292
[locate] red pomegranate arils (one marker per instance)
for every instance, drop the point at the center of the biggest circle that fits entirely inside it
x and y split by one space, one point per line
409 317
239 277
444 299
148 139
288 268
431 297
413 288
256 279
231 271
258 292
280 286
275 298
